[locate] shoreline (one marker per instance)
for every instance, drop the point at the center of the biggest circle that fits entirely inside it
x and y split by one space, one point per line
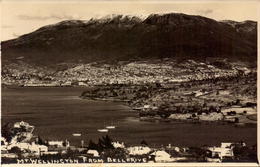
104 113
251 117
224 120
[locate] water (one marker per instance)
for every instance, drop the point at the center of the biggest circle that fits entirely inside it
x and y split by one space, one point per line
57 113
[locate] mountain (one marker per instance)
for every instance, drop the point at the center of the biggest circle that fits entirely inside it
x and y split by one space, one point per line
174 35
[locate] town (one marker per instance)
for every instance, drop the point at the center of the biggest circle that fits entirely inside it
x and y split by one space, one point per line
229 99
190 90
122 72
20 145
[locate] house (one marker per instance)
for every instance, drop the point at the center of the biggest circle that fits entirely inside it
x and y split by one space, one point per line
177 149
94 153
9 155
118 144
33 148
67 83
24 132
50 153
56 143
24 125
161 156
22 146
81 83
226 150
208 159
38 149
138 150
146 106
226 145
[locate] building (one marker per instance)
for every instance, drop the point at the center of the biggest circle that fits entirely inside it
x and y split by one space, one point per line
24 125
27 147
56 143
161 156
226 145
94 153
225 150
138 150
118 144
38 149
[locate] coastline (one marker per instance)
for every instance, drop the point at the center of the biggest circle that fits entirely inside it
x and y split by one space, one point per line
183 117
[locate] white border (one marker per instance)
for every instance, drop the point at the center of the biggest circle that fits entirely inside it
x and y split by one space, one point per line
151 164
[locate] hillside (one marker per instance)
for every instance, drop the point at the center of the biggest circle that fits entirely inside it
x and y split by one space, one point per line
177 36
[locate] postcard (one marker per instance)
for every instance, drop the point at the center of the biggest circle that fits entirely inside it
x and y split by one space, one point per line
132 83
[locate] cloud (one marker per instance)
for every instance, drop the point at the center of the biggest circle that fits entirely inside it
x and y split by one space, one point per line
205 12
50 17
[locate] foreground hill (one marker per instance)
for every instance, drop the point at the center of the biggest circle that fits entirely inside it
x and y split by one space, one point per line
177 36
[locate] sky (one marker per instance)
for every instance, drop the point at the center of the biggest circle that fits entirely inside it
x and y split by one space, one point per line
22 17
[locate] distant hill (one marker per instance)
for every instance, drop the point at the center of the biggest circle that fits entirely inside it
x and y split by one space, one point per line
121 37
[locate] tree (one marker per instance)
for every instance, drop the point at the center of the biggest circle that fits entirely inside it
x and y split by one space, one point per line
41 141
92 145
204 105
212 109
158 85
15 150
143 142
7 132
103 143
237 102
107 142
118 153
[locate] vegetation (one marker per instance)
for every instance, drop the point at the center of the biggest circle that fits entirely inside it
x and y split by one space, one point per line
104 143
195 97
6 132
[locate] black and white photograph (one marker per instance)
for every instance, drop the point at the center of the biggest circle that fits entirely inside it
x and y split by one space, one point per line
129 82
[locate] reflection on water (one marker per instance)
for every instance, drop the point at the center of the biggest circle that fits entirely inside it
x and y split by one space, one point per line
58 113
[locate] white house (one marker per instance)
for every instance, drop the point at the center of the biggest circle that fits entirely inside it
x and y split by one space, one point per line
9 155
22 146
34 148
161 156
82 83
50 153
93 152
24 124
118 144
146 106
221 152
138 150
24 135
56 143
226 145
38 149
213 159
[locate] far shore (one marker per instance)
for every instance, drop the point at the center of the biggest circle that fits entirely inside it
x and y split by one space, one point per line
247 120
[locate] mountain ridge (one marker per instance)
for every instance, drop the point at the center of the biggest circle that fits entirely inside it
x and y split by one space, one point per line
120 37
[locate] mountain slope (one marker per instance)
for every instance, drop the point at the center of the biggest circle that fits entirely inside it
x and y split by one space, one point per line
178 36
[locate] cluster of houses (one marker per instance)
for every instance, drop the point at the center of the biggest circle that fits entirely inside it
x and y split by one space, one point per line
218 154
131 73
25 145
232 114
